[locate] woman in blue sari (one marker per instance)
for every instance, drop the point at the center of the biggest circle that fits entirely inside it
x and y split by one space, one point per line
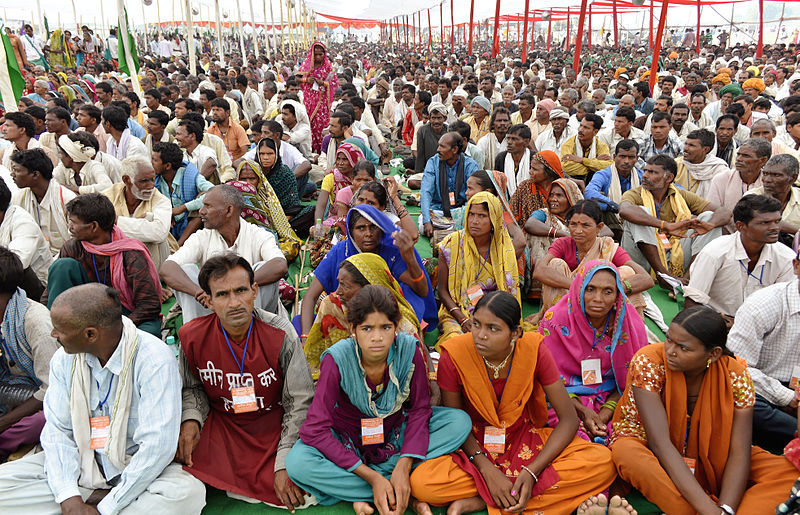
370 230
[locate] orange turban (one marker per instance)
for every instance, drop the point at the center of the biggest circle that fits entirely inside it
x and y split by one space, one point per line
755 84
726 71
645 75
550 159
723 78
619 70
673 55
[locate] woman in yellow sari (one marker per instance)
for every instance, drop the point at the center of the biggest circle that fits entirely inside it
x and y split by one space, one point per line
263 198
330 324
474 261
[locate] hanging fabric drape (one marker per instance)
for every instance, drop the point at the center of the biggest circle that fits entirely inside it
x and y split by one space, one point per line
657 48
495 41
576 64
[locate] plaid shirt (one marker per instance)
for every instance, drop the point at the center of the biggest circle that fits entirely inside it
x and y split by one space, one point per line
647 149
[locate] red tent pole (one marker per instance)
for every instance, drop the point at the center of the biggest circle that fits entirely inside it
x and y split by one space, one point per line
508 31
650 39
441 28
452 31
616 31
549 29
576 64
495 42
525 33
589 35
567 43
697 34
471 13
657 49
405 30
760 47
430 36
419 31
519 34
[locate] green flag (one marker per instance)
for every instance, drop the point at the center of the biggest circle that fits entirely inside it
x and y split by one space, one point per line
46 28
11 82
132 67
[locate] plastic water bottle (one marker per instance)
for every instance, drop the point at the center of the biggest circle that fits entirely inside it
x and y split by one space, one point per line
173 346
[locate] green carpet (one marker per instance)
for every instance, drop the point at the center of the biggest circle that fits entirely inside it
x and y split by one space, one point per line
219 503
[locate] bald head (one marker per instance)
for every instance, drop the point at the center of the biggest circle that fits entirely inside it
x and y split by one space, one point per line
88 305
627 101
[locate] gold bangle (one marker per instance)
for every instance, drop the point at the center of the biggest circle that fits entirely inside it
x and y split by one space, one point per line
535 479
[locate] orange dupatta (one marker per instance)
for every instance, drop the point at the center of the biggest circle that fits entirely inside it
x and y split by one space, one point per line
523 443
711 422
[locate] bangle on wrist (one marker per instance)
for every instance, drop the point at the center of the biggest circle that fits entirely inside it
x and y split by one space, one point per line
727 509
453 309
628 287
662 225
478 453
535 479
418 279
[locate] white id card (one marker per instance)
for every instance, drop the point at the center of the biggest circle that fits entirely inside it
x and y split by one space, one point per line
590 371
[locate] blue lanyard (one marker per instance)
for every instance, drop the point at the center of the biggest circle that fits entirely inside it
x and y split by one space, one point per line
38 215
246 341
658 207
484 262
100 406
597 339
760 277
508 372
105 272
577 259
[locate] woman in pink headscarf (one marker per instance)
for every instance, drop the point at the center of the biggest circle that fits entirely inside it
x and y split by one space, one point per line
318 82
347 155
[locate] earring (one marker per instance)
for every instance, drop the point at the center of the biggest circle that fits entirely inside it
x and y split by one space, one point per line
708 363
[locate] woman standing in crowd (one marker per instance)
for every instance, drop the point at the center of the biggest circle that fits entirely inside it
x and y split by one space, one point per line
371 421
557 266
474 261
510 462
318 83
682 430
593 333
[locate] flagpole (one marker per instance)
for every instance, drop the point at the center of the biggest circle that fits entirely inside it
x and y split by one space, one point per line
190 38
123 37
272 22
144 21
283 42
219 33
255 36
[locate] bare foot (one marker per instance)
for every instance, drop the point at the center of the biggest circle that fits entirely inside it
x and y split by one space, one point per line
420 508
600 505
619 506
466 506
363 508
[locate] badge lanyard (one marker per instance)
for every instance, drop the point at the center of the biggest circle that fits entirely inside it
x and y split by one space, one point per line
596 340
102 403
484 262
759 278
105 272
247 340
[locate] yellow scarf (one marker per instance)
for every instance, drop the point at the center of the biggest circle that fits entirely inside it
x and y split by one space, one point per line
681 212
465 261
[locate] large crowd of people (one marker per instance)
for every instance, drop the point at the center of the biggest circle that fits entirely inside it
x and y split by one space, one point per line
511 372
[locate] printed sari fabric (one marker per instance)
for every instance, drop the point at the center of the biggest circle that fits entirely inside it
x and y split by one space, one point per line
318 99
704 435
571 339
518 405
467 268
264 205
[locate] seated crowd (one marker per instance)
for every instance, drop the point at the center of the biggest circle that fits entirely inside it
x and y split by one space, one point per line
585 198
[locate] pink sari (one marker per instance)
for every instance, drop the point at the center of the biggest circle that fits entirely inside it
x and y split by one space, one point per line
570 339
318 99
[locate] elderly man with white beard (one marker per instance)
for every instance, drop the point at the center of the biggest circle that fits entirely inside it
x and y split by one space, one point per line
143 212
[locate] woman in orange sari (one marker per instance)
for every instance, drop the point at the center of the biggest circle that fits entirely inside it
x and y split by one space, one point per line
683 428
510 462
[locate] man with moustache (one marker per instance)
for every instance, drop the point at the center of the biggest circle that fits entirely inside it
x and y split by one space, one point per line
143 213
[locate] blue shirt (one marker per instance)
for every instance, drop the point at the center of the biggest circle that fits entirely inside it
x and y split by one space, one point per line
646 107
175 196
430 198
136 129
153 424
597 189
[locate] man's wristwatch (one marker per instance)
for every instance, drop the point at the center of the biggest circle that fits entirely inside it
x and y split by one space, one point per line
727 509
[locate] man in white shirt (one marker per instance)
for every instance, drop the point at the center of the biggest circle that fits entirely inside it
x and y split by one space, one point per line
113 44
621 129
729 186
732 267
225 231
33 45
251 103
766 334
189 135
555 136
296 126
20 234
122 143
